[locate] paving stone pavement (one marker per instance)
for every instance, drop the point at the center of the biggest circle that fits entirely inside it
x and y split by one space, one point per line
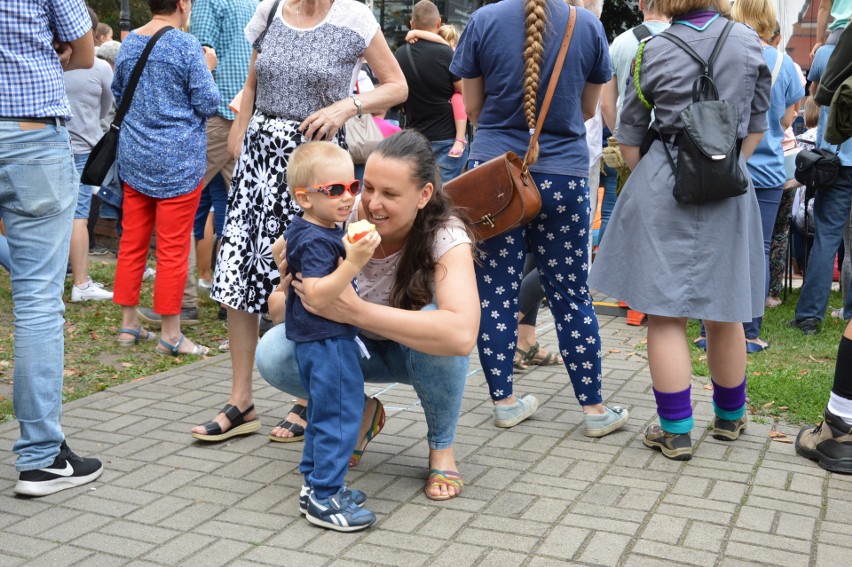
539 494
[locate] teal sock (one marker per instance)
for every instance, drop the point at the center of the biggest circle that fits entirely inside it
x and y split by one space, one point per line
678 426
730 415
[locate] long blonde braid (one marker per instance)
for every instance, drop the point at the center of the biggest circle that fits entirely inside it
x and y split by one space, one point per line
536 20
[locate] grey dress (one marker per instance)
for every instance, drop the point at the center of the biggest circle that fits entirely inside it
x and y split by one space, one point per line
698 261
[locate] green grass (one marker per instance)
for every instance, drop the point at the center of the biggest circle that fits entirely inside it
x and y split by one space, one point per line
93 359
793 378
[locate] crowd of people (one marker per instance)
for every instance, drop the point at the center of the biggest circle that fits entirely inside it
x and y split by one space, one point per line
250 106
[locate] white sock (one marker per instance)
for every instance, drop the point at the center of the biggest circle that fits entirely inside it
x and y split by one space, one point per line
841 407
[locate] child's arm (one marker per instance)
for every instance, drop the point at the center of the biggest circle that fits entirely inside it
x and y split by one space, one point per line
414 35
278 298
322 291
460 119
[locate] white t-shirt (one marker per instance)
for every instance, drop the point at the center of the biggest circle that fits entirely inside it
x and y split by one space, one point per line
376 278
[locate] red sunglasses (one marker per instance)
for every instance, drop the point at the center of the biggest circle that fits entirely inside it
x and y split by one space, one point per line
335 190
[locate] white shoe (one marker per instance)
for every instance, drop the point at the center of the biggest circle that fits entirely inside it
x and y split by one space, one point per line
149 273
205 285
92 291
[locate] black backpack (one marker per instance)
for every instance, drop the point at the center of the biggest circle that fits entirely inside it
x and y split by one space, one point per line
708 148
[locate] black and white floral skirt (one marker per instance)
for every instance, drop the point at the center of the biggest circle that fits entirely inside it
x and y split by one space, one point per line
259 211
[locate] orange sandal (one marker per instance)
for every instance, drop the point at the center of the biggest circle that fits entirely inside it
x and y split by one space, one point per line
443 478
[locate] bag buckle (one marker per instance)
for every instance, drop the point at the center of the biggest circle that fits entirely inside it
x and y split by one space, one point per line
488 221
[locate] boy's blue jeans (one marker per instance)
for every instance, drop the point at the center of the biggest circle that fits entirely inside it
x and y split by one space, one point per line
331 374
38 195
437 380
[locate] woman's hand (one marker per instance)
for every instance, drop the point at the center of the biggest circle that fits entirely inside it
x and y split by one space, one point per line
342 310
325 122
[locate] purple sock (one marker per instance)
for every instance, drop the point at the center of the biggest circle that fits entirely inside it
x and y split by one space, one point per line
729 399
673 406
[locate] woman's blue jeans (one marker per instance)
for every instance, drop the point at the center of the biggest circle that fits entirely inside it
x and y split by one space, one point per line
437 380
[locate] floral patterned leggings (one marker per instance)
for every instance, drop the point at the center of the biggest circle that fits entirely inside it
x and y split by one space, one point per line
559 239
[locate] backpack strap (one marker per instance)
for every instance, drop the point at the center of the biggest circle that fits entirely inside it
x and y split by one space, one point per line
642 32
706 66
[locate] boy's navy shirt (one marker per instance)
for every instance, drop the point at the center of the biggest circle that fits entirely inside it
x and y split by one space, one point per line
312 250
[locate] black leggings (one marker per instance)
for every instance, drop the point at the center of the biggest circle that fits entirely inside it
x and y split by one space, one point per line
531 292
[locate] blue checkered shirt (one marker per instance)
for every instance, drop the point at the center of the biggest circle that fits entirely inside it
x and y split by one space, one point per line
31 82
219 24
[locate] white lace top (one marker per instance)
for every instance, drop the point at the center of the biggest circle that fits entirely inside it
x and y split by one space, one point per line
300 71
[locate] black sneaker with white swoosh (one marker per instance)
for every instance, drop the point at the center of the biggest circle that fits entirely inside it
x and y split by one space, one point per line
66 471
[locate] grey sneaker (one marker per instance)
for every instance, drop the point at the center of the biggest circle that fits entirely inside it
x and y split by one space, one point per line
605 423
188 316
728 430
509 416
677 447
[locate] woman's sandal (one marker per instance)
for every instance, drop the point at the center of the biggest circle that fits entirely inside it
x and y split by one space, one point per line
548 359
443 478
239 425
137 336
174 349
297 430
519 361
375 427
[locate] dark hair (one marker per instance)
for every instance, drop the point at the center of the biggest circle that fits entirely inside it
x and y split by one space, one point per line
162 7
415 273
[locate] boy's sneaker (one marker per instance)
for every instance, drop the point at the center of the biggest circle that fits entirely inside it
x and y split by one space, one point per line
67 470
509 416
727 429
829 443
358 497
677 447
598 425
91 291
338 512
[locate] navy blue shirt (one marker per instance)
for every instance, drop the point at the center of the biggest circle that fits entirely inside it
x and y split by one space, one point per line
312 250
492 47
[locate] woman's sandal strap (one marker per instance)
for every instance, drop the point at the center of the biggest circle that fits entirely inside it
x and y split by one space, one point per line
137 333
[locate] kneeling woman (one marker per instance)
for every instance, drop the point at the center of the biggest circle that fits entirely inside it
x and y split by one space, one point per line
418 309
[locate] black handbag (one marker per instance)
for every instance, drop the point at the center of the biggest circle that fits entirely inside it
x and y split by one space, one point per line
817 168
101 168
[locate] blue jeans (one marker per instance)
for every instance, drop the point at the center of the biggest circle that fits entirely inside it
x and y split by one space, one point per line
609 180
84 192
215 196
334 414
5 261
437 380
451 167
38 193
831 213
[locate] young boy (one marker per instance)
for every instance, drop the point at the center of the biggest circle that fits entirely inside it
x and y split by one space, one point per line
321 178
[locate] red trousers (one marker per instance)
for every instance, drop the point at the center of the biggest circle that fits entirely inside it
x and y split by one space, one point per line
172 218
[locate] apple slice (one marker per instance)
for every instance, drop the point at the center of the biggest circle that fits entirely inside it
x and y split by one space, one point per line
359 229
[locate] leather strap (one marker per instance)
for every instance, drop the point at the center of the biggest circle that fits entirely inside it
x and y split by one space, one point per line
551 86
